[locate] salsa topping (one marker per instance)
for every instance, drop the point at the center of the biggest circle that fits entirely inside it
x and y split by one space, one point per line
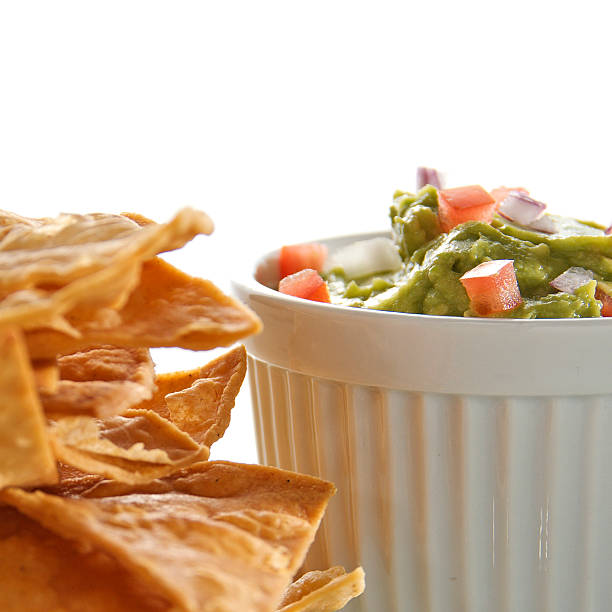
465 251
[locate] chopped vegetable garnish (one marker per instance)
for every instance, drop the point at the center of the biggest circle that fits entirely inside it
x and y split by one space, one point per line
603 293
545 224
571 279
306 284
366 257
298 257
428 176
499 194
521 208
492 287
461 204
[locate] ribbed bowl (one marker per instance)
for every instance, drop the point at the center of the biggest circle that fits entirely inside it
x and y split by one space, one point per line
472 458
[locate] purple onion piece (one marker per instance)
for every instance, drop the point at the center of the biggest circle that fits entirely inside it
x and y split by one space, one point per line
428 176
609 231
571 279
522 209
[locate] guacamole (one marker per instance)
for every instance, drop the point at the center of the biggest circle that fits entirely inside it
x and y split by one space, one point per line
433 261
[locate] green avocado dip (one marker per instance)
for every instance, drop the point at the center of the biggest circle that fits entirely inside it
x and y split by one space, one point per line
432 262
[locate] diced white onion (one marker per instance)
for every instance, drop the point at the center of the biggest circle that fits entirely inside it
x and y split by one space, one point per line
365 257
571 279
519 207
545 224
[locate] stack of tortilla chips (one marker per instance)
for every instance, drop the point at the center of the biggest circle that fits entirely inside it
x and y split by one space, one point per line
107 500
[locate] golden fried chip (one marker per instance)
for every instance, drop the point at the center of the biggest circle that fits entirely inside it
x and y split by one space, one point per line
35 252
51 266
217 536
136 447
200 401
137 218
323 591
46 375
72 481
101 381
42 572
167 308
26 458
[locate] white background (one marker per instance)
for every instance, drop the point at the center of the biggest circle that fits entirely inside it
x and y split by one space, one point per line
289 121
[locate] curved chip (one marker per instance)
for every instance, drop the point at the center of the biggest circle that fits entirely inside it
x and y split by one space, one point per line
167 308
79 260
323 591
101 381
200 401
135 447
179 543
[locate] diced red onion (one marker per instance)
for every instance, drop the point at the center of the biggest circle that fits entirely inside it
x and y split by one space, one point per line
545 224
571 279
428 176
609 230
519 207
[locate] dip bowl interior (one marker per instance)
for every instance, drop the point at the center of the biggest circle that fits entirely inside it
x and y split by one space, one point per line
471 455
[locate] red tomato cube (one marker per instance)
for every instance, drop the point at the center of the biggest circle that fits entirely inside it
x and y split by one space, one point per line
298 257
606 302
492 287
462 204
306 284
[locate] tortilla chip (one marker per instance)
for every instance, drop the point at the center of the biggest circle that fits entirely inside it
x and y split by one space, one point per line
72 481
102 381
136 447
221 537
39 252
46 375
51 266
323 591
26 458
200 401
167 308
137 218
40 571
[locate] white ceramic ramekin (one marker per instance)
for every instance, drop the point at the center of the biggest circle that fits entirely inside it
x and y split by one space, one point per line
473 457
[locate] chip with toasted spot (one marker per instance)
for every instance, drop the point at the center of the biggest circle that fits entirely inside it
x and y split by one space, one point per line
135 447
167 308
101 381
200 401
26 458
323 590
239 531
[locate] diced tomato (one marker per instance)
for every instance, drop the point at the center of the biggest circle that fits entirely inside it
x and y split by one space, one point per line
466 197
492 287
306 284
499 194
298 257
462 204
606 301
